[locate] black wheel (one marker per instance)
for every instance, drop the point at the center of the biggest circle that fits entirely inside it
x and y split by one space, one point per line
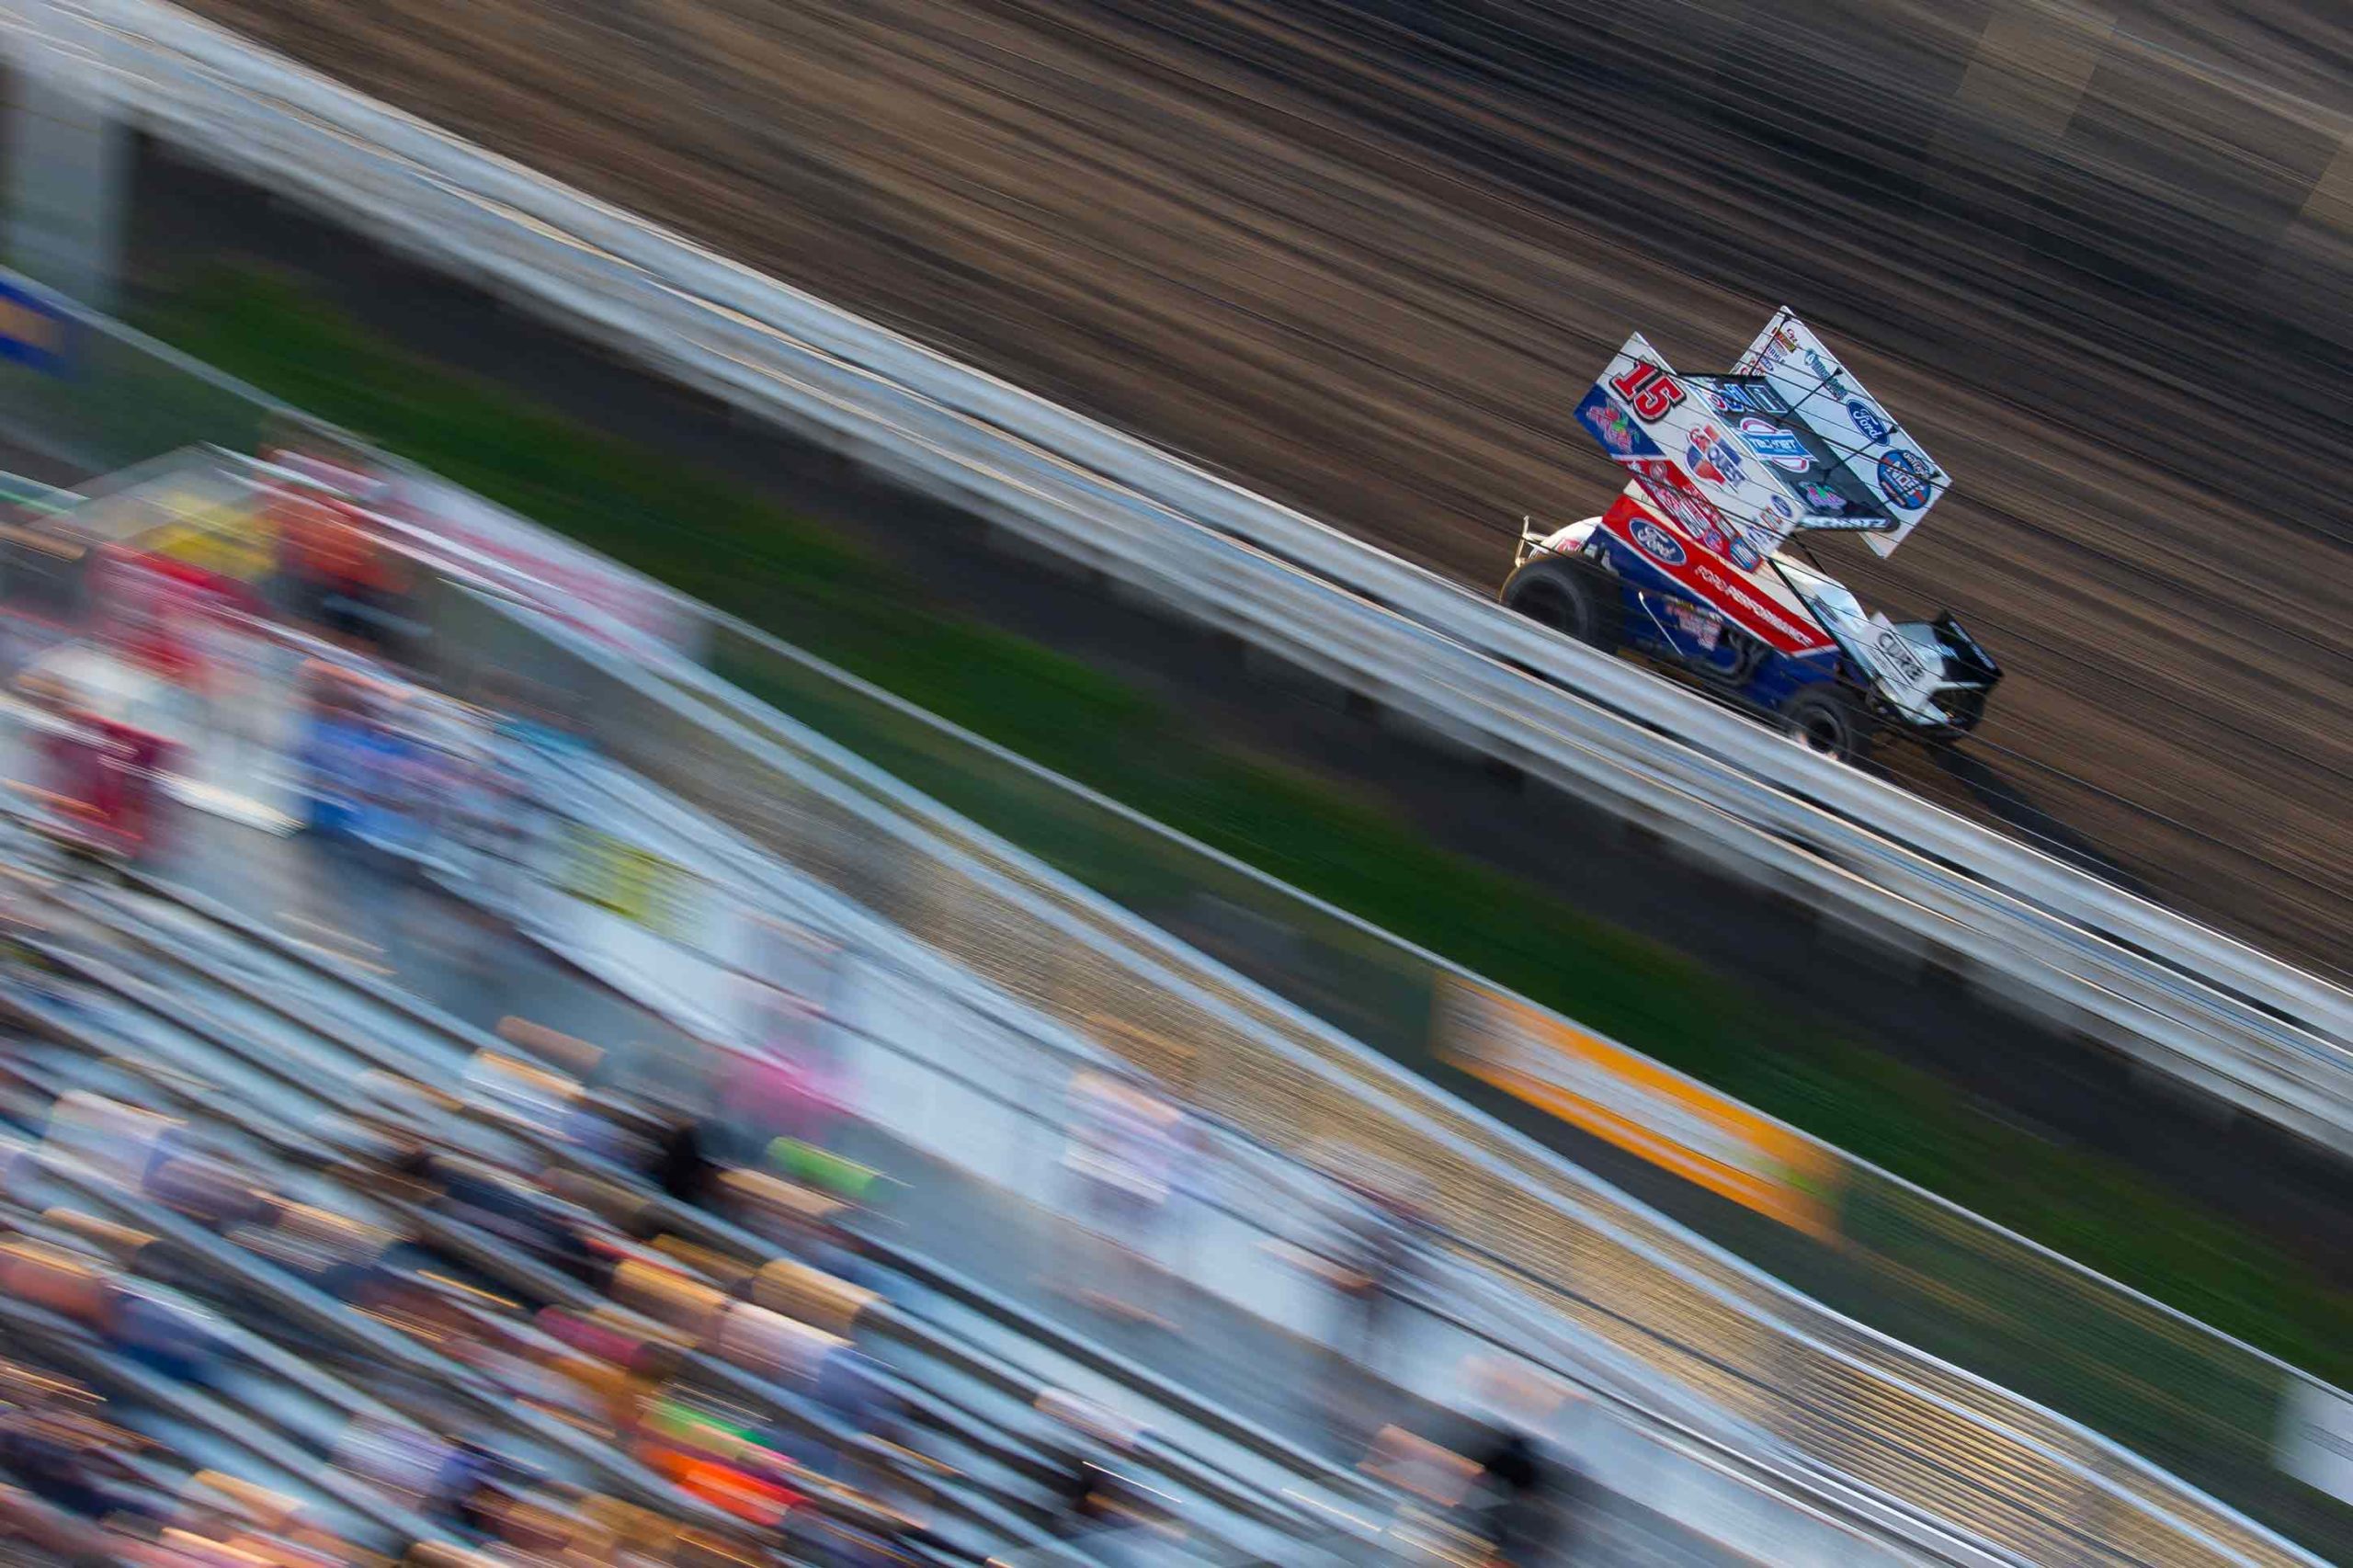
1569 596
1828 719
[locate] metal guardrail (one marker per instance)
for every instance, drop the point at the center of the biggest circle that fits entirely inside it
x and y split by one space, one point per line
1887 1416
2178 996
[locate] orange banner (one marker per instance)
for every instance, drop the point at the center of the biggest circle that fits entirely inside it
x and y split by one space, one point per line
1635 1103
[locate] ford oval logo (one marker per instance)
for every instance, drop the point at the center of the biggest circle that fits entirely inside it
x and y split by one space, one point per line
1870 423
1658 543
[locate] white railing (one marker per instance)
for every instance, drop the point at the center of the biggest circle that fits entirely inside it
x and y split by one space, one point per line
2181 997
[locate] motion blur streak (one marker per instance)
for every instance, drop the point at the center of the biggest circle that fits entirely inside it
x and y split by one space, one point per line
1358 254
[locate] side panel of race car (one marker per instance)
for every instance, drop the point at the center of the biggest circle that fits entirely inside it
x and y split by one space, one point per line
1664 620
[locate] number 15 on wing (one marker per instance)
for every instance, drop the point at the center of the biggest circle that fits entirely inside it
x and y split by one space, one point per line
1649 389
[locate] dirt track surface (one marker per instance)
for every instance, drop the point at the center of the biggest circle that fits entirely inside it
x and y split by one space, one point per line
1365 257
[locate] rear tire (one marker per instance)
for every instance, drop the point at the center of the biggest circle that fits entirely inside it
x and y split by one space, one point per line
1569 595
1828 719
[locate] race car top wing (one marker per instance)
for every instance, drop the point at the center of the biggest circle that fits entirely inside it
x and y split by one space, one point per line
1663 429
1875 455
1826 494
1726 454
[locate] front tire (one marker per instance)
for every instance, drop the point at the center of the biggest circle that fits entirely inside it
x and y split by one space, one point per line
1828 720
1569 595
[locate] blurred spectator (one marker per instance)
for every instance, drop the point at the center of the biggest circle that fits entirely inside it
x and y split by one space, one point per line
1097 1497
789 1090
681 1168
495 815
1512 1486
333 570
817 1226
105 773
20 961
1122 1150
55 1444
233 685
331 751
166 1334
1374 1258
67 1538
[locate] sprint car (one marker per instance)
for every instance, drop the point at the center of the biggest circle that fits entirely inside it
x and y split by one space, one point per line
1699 564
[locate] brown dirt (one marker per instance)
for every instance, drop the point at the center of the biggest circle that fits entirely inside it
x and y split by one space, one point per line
1364 255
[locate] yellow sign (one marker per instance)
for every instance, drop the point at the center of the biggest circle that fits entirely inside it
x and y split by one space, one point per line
1638 1105
227 538
640 887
